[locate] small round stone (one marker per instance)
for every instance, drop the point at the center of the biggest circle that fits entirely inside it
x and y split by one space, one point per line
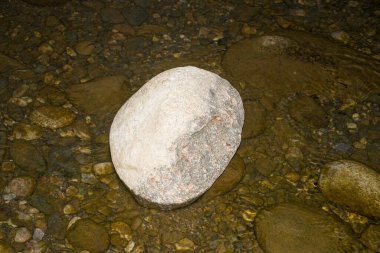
22 235
38 234
85 47
27 132
52 117
103 168
184 244
21 186
87 235
248 215
69 209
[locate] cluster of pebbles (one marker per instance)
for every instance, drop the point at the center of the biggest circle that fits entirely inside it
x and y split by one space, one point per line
307 72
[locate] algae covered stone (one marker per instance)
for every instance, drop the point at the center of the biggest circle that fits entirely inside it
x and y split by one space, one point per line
175 136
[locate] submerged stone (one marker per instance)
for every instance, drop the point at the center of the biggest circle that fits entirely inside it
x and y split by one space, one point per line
231 176
290 228
100 97
27 132
371 237
255 119
305 110
135 16
174 137
52 117
352 185
290 61
21 186
27 156
87 235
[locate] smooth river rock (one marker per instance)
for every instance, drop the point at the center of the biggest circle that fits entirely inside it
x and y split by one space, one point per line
175 136
293 228
52 117
88 235
100 97
27 156
353 185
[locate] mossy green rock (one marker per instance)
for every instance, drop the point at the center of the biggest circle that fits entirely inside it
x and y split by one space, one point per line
88 235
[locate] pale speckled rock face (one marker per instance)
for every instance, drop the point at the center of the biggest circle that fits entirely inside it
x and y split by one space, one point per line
175 136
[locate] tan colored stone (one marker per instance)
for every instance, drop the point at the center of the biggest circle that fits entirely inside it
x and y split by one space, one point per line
52 117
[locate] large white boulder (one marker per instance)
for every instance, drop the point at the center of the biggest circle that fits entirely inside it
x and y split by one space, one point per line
175 136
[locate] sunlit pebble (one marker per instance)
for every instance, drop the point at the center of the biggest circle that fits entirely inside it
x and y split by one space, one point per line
22 101
356 116
84 150
129 247
22 235
248 215
38 234
351 125
69 209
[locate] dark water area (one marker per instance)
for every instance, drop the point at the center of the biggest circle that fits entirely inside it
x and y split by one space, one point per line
306 177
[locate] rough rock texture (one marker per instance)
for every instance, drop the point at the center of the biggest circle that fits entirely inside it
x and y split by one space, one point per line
290 228
231 176
21 186
353 185
52 117
173 138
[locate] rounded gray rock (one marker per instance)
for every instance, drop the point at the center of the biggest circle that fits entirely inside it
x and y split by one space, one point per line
352 185
175 136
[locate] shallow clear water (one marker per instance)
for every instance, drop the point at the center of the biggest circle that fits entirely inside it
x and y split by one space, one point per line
308 74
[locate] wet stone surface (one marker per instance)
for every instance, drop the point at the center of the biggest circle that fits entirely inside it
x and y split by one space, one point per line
300 229
308 75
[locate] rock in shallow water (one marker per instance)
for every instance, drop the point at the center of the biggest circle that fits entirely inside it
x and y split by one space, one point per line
231 176
27 156
371 237
21 186
353 185
88 235
52 117
173 138
290 228
100 97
